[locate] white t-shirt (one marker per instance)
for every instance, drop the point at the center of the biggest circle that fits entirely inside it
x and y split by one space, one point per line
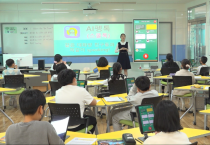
73 95
54 78
68 67
168 138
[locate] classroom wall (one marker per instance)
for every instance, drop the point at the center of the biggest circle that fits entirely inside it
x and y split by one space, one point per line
175 13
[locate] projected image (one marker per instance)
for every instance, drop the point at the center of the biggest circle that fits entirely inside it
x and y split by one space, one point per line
86 39
146 40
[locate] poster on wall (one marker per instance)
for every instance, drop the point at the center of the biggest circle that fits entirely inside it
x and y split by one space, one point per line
145 34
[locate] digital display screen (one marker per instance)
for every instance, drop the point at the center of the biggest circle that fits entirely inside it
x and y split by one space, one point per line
146 114
130 82
145 40
77 74
111 71
81 84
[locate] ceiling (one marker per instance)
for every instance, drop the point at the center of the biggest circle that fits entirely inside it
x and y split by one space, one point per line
97 1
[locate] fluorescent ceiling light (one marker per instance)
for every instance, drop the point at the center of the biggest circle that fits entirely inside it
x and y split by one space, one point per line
60 2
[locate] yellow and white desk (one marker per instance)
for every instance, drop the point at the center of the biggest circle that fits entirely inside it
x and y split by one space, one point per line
193 90
25 76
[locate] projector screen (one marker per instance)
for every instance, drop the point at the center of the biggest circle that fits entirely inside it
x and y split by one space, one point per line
145 32
65 39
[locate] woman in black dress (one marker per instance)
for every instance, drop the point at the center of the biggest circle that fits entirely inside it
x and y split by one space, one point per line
123 48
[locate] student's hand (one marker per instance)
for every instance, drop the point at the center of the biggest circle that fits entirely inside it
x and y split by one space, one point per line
156 132
64 62
16 66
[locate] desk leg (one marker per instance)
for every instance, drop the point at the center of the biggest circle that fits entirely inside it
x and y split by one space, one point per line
107 118
85 76
189 108
169 90
194 109
95 113
3 101
95 87
7 116
154 84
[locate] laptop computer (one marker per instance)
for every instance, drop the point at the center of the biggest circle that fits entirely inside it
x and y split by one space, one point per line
60 123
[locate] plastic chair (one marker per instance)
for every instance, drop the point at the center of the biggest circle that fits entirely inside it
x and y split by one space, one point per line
54 87
77 72
180 81
117 87
152 100
72 110
104 74
52 72
14 81
167 71
204 71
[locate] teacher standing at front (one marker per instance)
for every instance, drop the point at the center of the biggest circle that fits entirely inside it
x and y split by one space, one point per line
123 48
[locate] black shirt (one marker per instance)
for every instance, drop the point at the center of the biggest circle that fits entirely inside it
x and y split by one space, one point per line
168 64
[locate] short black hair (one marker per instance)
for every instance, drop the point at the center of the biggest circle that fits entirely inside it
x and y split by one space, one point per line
184 63
30 100
60 67
102 62
122 34
10 62
204 59
58 57
166 117
143 83
66 77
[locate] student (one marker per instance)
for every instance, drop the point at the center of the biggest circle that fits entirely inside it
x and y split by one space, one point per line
11 70
167 125
169 64
102 65
123 48
32 130
57 60
185 64
143 91
203 61
58 68
117 73
72 94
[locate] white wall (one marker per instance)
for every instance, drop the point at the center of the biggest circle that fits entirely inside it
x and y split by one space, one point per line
176 13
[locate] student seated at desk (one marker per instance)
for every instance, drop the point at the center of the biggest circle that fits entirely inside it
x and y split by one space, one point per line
11 70
32 130
117 73
58 68
167 125
102 65
169 64
185 64
143 91
57 60
203 61
72 94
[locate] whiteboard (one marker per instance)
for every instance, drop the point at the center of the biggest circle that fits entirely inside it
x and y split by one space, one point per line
45 47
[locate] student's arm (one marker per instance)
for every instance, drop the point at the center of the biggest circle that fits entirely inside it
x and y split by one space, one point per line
68 67
52 67
133 90
53 138
88 99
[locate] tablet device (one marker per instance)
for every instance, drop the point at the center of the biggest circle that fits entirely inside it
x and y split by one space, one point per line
60 123
129 83
81 83
145 114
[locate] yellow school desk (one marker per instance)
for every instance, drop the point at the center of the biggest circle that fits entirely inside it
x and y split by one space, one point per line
205 113
152 70
2 90
112 104
25 76
191 133
193 90
70 133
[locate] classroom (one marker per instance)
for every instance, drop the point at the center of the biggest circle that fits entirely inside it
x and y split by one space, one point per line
104 72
